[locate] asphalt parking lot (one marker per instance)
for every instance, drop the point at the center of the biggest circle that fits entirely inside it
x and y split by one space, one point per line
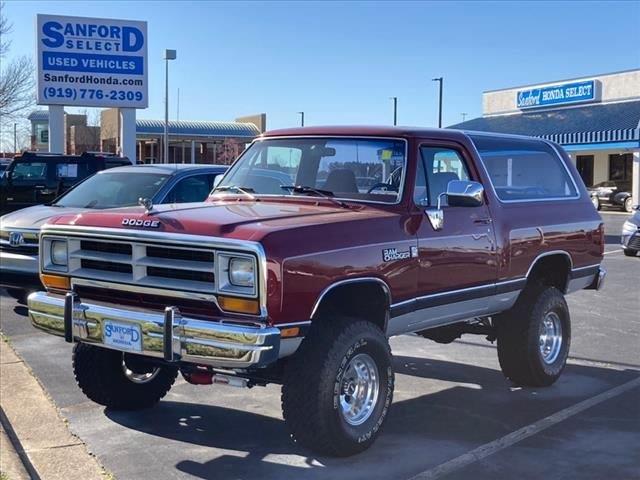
454 415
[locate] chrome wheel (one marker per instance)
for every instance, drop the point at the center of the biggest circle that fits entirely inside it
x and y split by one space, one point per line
550 337
359 390
138 377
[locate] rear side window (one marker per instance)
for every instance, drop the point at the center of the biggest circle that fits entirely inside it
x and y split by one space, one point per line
524 169
36 171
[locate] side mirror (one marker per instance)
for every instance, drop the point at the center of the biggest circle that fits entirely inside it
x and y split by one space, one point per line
461 193
217 180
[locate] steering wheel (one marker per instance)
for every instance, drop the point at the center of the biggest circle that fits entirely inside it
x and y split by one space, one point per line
385 187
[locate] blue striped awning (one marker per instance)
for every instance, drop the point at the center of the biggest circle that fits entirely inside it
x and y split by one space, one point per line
591 124
198 129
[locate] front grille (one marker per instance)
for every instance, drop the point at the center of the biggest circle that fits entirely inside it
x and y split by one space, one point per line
121 248
26 245
181 274
139 263
153 302
193 255
106 266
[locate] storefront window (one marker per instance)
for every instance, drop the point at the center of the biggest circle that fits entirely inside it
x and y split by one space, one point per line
620 166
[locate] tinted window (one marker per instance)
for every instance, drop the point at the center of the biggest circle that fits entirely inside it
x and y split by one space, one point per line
524 169
29 171
437 168
113 189
620 166
190 189
72 171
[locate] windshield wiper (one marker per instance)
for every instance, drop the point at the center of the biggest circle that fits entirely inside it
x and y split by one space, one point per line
234 188
322 193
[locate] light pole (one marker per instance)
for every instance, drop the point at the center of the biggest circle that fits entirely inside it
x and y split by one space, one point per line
464 116
395 110
439 80
301 118
168 55
15 138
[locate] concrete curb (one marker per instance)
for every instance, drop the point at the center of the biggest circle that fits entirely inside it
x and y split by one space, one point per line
37 432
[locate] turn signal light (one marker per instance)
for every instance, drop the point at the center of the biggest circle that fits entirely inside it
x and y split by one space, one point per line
289 332
239 305
56 282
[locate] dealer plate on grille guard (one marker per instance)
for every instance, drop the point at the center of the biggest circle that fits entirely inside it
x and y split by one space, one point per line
122 336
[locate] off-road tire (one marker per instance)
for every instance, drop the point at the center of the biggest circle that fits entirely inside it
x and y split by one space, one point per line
629 253
518 332
312 386
100 376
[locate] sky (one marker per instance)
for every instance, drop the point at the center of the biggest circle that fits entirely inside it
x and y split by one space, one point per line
340 62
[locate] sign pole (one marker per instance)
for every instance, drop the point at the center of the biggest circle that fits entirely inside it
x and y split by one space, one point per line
56 129
128 133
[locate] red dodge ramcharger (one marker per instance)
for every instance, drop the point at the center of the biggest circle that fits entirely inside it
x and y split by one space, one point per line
319 244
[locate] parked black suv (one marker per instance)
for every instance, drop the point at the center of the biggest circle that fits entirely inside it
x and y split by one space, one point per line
612 193
35 178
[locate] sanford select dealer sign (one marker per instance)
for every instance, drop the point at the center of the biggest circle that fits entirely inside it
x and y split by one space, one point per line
92 62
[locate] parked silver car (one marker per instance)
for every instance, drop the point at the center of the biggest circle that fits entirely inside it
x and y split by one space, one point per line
116 187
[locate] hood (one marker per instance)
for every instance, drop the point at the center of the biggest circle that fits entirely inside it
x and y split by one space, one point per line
36 216
247 220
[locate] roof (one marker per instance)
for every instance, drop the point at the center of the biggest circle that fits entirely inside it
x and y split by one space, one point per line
198 129
612 122
170 168
357 130
39 115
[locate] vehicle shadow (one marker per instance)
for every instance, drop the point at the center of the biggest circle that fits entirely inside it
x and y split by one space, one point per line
460 407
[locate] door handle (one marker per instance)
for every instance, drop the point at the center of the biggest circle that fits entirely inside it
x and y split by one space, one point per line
482 221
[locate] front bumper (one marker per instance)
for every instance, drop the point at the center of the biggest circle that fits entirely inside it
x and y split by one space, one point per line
170 336
18 270
631 242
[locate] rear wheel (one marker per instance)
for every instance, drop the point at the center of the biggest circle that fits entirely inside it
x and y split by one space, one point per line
534 337
338 387
119 380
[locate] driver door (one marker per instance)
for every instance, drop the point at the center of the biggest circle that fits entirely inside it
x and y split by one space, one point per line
457 264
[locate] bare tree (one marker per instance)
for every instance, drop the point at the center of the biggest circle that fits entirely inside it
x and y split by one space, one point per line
17 92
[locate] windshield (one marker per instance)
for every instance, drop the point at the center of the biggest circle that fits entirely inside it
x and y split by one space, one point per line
347 169
113 189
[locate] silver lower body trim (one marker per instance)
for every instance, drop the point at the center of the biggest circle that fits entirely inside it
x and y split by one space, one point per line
190 340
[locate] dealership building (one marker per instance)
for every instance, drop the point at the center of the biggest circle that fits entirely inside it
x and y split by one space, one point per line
596 119
189 141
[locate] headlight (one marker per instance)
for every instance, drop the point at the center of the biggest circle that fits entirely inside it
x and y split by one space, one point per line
629 228
242 272
237 274
59 254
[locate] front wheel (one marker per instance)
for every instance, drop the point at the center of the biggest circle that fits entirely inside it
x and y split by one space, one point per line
338 387
534 337
628 204
629 253
596 202
119 380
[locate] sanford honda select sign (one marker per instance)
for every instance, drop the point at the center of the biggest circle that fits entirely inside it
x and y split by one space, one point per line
553 95
93 62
